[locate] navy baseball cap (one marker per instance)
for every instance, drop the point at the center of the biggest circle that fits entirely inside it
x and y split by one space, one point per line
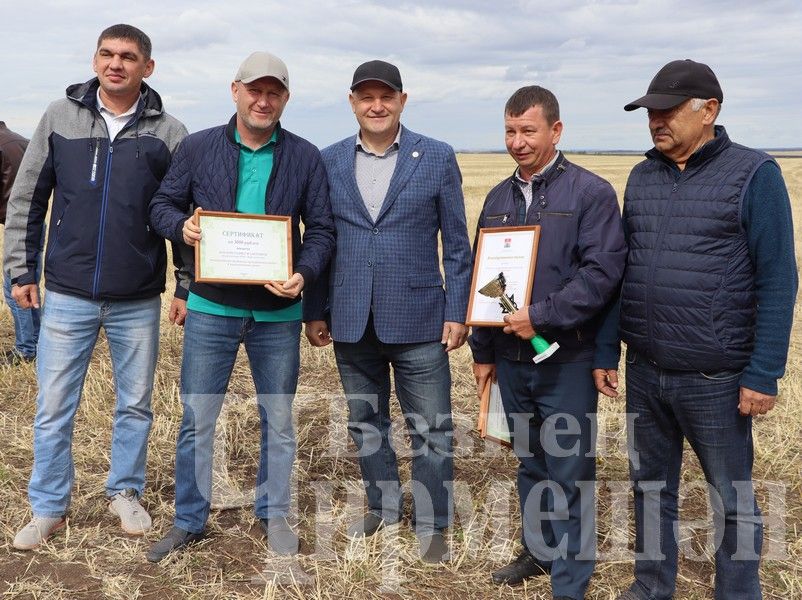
378 70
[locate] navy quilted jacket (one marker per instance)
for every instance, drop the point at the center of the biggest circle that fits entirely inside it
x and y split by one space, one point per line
204 174
688 298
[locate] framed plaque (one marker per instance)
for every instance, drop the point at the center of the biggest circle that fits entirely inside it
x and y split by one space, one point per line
492 418
242 248
502 274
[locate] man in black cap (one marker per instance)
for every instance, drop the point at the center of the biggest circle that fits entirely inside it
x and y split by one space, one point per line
706 309
392 192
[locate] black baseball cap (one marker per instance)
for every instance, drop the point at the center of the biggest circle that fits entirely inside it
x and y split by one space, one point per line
378 70
676 82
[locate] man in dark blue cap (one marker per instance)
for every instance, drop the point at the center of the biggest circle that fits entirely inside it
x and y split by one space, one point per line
392 192
706 309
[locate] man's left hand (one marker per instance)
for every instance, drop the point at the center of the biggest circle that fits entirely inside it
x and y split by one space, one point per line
454 335
519 324
754 403
289 289
178 311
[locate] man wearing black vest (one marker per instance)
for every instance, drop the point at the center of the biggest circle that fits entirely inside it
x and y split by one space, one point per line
706 309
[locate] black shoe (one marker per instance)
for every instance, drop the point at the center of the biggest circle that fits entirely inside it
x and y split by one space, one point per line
434 548
280 537
523 567
563 598
175 539
367 526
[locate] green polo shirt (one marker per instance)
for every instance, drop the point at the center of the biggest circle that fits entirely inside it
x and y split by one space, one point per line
253 175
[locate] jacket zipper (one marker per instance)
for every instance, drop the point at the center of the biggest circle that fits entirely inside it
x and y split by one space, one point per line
102 229
503 216
105 197
274 168
661 234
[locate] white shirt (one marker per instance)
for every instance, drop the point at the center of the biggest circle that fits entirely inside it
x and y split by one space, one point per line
115 123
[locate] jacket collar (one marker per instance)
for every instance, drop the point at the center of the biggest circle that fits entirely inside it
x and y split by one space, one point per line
410 151
551 174
231 127
150 103
720 142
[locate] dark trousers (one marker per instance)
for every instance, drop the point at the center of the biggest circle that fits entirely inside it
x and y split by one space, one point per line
551 410
671 406
423 386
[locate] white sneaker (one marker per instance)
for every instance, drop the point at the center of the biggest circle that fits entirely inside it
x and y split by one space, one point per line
35 532
134 519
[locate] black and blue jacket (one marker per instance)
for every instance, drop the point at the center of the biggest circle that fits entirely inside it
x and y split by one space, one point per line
100 244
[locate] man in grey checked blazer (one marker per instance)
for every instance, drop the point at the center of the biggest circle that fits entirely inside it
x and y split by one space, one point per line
385 303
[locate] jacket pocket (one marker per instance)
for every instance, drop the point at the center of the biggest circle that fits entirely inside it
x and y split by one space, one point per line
496 220
146 256
424 280
546 214
722 376
53 239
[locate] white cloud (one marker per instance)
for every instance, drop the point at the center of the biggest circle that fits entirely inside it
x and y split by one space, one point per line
460 60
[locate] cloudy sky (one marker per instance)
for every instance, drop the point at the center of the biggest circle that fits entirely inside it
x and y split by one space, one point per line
460 60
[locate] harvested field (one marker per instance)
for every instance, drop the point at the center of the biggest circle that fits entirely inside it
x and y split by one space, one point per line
93 559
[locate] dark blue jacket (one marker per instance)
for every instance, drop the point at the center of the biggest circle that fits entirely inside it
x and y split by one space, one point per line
688 298
100 244
204 174
580 261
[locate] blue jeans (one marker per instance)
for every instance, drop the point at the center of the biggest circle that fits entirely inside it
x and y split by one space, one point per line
211 343
423 387
671 406
26 320
70 326
551 412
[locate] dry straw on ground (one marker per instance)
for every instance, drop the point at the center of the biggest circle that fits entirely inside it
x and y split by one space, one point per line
92 558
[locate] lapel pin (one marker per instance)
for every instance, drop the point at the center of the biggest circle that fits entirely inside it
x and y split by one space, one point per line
415 154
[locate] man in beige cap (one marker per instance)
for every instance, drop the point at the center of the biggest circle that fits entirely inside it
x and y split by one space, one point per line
251 165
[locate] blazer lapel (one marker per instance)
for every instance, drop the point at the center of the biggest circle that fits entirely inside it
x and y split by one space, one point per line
409 156
347 174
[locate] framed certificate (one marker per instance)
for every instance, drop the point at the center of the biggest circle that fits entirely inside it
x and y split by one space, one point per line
243 249
502 274
492 418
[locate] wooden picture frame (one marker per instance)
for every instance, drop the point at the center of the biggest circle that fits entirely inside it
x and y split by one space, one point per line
244 249
511 254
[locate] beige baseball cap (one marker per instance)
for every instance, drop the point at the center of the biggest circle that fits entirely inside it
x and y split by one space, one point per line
263 64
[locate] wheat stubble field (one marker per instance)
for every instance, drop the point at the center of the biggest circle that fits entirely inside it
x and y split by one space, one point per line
92 558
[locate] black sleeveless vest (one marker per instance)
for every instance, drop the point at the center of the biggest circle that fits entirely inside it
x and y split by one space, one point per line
688 298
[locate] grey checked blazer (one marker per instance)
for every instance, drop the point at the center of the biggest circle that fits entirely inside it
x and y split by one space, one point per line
392 267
